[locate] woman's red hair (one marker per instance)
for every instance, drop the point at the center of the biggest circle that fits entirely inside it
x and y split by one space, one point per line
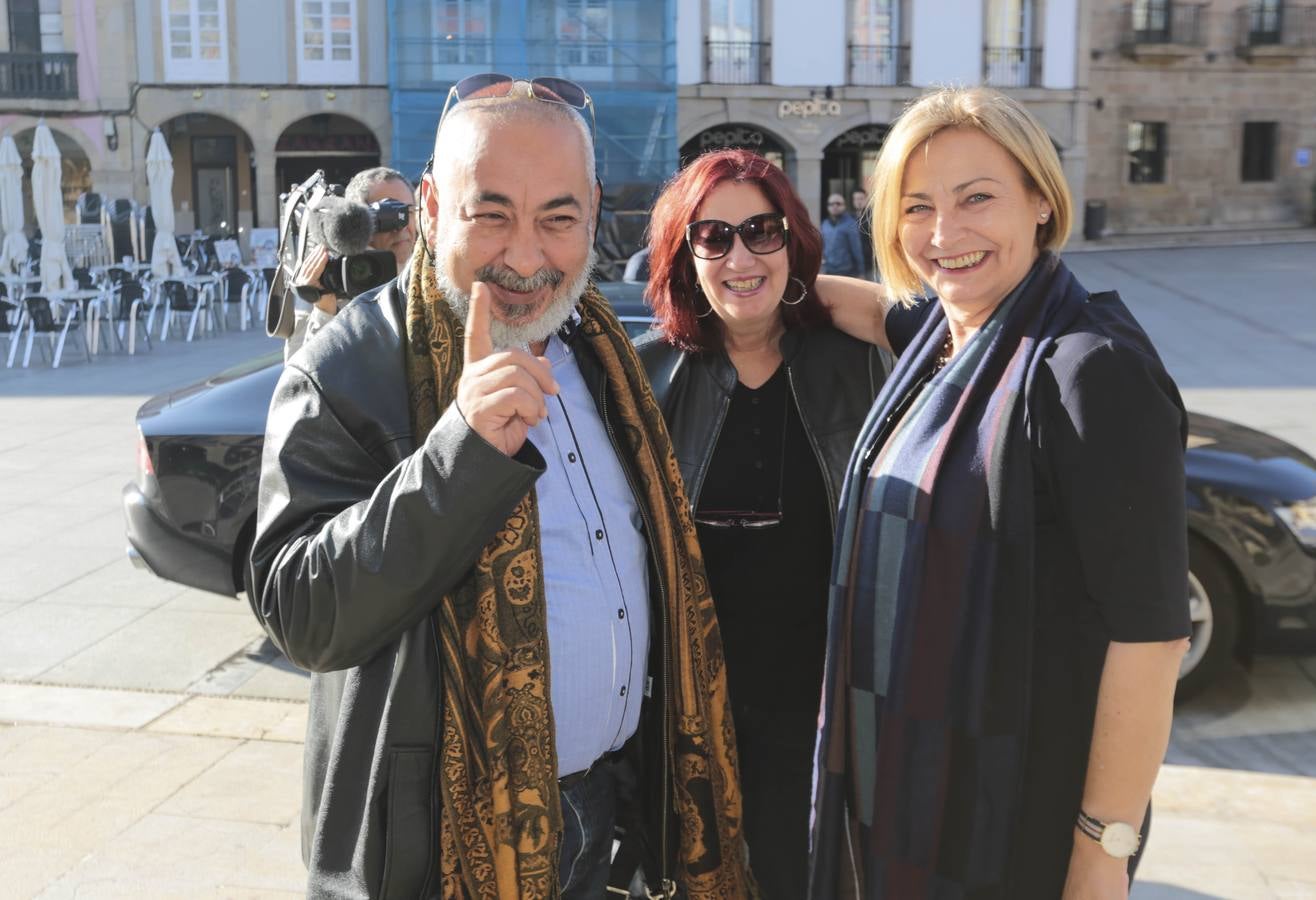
672 282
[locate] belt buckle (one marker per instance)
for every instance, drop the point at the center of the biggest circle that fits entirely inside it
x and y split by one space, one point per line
666 890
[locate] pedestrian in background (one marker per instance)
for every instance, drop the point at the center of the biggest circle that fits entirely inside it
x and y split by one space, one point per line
843 254
863 217
1009 591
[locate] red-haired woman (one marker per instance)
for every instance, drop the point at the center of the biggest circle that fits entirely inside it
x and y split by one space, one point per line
764 400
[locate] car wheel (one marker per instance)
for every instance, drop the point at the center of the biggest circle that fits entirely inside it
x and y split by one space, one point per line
1213 610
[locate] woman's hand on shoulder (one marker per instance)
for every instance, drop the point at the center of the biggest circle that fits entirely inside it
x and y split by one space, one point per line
858 307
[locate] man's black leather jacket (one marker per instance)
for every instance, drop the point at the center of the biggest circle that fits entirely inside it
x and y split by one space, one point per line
833 379
359 534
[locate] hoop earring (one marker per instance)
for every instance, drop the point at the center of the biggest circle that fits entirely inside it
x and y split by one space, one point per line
804 292
699 291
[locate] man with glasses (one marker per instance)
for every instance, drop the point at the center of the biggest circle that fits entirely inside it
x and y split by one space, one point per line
471 531
843 253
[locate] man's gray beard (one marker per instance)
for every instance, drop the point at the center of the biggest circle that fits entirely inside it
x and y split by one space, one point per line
510 335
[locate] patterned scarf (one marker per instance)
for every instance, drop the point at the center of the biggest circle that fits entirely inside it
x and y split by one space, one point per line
926 691
497 779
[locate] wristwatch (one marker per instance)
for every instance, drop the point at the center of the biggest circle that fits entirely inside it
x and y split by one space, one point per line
1118 839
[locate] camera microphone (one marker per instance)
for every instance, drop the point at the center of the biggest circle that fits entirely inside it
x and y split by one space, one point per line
343 226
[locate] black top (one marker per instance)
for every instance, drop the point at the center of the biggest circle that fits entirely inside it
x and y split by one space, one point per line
1092 586
769 587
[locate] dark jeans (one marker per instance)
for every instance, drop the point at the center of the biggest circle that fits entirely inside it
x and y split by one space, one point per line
589 810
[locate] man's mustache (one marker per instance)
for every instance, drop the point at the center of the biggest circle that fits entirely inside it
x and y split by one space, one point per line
507 279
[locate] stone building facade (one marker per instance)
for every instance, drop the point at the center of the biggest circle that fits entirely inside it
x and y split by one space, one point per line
1202 115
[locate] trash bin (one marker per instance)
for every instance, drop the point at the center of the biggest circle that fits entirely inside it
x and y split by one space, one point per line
1094 219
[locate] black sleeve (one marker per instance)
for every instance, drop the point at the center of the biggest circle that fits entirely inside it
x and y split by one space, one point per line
1111 435
903 322
348 555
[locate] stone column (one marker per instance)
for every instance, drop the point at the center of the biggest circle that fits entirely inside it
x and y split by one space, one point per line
808 182
266 187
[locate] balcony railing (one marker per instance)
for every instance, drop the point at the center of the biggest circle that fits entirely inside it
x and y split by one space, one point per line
46 76
1012 66
736 62
424 63
1276 26
1164 22
879 64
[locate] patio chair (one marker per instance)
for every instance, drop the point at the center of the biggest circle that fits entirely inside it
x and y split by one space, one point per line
233 288
180 299
41 320
126 299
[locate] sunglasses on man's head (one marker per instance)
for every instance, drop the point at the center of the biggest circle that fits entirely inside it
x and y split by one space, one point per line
495 84
713 238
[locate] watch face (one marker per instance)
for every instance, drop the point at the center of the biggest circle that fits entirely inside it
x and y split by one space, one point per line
1119 840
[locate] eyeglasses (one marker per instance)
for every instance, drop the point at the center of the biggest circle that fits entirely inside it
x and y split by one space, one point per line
495 84
713 238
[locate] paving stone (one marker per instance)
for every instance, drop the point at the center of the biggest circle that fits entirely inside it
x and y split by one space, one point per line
258 782
87 707
38 637
235 718
169 650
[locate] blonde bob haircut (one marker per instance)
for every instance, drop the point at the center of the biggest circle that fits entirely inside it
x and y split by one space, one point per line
995 115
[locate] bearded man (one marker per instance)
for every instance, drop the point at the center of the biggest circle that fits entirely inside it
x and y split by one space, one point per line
472 532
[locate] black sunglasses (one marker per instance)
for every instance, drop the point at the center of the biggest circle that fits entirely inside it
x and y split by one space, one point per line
713 238
495 84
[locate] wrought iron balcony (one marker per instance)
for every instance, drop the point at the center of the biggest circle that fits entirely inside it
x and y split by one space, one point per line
1164 22
879 64
44 76
736 62
1012 66
1277 26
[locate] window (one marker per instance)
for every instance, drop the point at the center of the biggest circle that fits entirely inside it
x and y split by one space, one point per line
1151 21
584 32
326 42
461 35
733 20
195 37
1259 142
1146 147
1011 60
24 26
1267 20
875 55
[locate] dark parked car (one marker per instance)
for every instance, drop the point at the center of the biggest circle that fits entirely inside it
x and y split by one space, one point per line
1251 509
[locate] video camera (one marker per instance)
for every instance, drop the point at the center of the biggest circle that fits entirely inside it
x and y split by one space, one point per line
316 214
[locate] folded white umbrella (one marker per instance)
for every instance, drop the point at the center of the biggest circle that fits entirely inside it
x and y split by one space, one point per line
165 261
48 198
14 252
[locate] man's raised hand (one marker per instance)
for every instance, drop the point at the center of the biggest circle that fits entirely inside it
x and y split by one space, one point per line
501 393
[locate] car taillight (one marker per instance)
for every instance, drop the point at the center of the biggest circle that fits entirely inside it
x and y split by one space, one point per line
144 465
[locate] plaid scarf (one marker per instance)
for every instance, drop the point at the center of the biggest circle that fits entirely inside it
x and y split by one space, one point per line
926 691
497 776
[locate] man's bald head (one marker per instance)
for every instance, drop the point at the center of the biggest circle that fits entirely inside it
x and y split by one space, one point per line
466 129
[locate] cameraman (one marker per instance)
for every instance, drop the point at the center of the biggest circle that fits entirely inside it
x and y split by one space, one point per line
367 186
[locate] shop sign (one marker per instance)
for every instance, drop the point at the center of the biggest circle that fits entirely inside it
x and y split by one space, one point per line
1302 158
738 136
808 109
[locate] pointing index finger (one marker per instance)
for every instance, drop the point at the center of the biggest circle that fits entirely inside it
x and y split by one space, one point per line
479 316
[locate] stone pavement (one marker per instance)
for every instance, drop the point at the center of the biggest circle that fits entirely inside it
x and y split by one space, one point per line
150 737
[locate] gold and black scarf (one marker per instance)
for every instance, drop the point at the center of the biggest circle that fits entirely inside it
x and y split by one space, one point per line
497 784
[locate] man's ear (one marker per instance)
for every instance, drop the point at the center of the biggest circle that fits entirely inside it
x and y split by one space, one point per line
598 206
429 207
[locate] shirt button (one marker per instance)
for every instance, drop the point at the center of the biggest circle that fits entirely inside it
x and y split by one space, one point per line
623 690
757 431
758 464
754 401
599 534
571 457
621 613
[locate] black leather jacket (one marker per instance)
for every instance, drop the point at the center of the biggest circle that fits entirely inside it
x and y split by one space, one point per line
833 379
359 534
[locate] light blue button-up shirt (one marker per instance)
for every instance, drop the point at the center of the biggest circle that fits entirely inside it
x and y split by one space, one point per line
596 578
